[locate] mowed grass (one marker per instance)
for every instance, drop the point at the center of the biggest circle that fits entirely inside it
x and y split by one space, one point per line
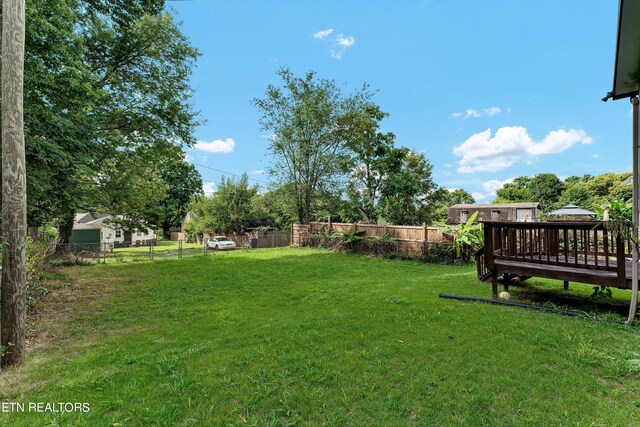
164 249
309 337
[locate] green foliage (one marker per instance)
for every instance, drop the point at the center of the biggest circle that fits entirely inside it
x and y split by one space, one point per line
232 208
602 293
182 182
515 191
372 159
466 237
620 221
410 196
320 137
37 253
307 145
352 240
546 189
584 191
103 80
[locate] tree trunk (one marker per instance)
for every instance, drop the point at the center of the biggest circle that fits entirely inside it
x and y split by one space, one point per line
166 230
33 233
64 231
14 192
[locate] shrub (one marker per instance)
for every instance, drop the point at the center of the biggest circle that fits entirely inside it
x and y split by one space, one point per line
353 241
37 253
383 244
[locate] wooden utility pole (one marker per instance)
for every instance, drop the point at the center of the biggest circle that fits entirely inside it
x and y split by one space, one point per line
13 310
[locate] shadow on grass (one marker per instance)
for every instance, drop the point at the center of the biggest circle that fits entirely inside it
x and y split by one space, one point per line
540 293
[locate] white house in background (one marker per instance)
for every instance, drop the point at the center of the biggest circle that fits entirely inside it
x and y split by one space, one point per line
88 228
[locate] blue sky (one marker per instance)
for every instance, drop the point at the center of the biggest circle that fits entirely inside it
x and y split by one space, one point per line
489 90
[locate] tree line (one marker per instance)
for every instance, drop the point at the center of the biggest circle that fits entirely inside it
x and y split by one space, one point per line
329 158
107 107
586 191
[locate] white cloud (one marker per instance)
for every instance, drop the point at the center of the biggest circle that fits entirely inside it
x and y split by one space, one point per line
490 187
188 158
345 41
561 140
338 42
258 172
492 111
471 112
482 152
208 188
216 146
322 33
494 185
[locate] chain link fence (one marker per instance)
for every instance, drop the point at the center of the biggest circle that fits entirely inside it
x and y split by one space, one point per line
103 253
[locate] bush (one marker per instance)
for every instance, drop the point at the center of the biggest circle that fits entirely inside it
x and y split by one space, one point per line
37 253
383 245
445 253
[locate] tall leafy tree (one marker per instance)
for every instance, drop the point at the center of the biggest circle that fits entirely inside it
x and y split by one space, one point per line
546 189
232 208
457 196
410 196
515 191
373 157
101 77
303 116
182 182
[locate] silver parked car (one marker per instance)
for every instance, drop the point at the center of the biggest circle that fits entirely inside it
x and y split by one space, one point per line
220 243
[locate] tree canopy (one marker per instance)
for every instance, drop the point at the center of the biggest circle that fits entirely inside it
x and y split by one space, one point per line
102 79
586 191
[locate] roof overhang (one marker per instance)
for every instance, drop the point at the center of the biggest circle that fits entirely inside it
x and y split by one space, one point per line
626 77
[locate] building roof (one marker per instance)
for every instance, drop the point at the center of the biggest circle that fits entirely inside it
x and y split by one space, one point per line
572 210
470 206
86 221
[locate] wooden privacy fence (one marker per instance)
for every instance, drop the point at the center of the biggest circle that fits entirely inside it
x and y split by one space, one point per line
266 239
410 240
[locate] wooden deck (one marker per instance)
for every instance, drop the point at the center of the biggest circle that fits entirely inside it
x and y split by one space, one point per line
568 251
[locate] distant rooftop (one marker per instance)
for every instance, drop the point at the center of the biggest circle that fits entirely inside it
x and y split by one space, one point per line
572 210
534 205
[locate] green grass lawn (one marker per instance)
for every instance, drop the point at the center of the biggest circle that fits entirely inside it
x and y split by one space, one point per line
164 249
295 336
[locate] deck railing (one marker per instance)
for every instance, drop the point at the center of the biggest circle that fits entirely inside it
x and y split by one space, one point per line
584 244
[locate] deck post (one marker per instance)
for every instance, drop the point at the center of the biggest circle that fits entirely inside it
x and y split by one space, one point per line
565 285
634 229
488 246
621 263
506 279
494 285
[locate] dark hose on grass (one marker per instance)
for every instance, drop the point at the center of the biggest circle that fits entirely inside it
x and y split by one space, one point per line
514 304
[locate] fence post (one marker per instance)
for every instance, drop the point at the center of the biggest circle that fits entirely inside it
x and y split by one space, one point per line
179 248
104 254
425 243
